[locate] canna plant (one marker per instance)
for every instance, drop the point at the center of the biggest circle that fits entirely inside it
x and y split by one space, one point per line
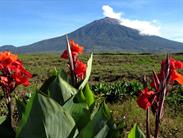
12 74
64 106
160 87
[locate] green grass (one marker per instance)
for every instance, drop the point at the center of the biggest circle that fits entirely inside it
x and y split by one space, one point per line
111 68
106 68
171 126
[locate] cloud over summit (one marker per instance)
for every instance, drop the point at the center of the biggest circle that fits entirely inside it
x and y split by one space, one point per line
144 27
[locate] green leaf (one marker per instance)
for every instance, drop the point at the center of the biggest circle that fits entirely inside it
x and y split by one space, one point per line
2 119
31 123
103 132
80 97
57 122
136 132
88 72
63 75
58 89
90 99
45 118
97 126
79 111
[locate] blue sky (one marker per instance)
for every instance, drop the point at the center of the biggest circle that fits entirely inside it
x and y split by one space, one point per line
24 22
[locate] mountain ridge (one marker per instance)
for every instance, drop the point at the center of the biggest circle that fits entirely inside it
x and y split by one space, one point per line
104 35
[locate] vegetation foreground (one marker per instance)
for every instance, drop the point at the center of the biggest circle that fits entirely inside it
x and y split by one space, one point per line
117 78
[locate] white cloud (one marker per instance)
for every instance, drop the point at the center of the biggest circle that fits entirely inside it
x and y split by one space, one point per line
144 27
108 11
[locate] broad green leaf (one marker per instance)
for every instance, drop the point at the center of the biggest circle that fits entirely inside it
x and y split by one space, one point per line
45 118
58 89
90 99
63 75
103 132
61 72
57 122
2 119
136 132
97 124
80 97
88 72
31 123
79 111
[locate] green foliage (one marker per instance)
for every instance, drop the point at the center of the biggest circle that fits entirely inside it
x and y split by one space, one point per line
175 99
118 91
57 88
59 110
2 119
98 124
136 132
46 118
90 100
57 122
31 119
79 108
88 72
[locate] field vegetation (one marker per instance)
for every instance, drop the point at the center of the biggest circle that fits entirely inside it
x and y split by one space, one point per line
117 78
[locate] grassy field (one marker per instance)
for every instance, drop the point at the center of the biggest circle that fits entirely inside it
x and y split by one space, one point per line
106 68
112 68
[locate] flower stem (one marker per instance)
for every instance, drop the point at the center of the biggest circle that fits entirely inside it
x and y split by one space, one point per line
10 112
71 62
147 124
147 111
163 90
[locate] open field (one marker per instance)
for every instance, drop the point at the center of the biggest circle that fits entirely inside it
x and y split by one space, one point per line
110 69
106 67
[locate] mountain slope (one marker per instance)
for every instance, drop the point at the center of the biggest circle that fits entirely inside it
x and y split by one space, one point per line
105 35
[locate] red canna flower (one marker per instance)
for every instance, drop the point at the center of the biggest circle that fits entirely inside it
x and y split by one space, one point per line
20 74
80 69
6 58
75 50
174 75
12 71
65 55
145 98
75 47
